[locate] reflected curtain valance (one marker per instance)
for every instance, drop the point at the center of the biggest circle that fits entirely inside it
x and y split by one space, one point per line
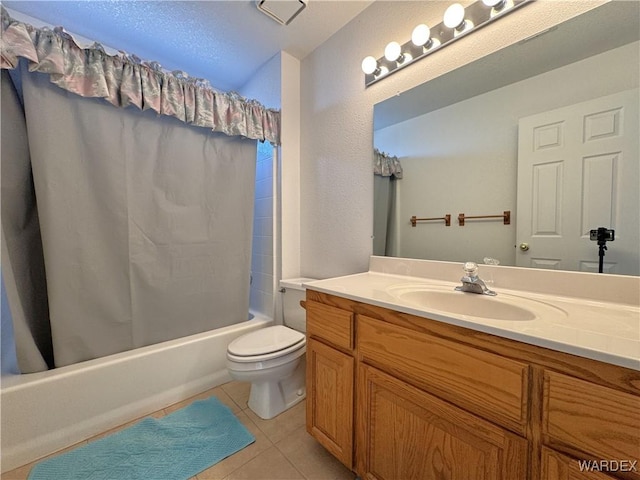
125 80
386 165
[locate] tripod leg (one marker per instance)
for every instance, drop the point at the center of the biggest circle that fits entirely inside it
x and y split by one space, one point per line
601 259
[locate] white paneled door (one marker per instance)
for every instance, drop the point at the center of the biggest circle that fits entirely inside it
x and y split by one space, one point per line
578 170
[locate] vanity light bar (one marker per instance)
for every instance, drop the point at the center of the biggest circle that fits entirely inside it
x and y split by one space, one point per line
458 22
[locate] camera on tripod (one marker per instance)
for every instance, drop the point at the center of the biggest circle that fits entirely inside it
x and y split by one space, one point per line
602 235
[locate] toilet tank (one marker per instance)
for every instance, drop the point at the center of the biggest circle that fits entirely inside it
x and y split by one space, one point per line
292 293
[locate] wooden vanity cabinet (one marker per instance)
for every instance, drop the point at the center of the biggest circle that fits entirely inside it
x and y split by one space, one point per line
400 397
330 379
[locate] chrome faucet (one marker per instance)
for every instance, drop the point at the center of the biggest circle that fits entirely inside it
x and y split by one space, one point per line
472 283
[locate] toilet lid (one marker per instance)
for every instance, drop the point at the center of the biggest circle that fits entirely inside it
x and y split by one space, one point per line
265 340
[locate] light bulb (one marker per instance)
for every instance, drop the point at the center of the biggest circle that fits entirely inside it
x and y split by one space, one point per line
392 51
421 35
369 65
498 6
454 16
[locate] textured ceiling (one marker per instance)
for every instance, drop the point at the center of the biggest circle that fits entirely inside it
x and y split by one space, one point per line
225 42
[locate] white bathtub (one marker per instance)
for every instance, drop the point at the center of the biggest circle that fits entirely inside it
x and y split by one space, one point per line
44 412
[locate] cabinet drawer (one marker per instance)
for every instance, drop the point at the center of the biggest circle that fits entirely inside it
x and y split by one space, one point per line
331 324
492 386
593 419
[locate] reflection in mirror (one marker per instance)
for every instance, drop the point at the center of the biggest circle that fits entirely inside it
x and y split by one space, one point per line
546 129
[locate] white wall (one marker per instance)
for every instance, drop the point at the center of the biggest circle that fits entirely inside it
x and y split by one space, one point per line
290 166
463 158
264 87
276 234
336 181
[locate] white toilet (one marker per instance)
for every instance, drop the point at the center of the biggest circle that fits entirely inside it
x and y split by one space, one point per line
272 358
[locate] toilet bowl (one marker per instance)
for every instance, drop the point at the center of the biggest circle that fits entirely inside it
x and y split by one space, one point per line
272 359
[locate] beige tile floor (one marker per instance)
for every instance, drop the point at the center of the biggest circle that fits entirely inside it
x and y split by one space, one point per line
283 450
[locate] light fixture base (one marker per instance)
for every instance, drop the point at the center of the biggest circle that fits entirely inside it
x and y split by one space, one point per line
474 16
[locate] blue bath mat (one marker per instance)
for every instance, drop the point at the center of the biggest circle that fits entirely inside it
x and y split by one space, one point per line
175 447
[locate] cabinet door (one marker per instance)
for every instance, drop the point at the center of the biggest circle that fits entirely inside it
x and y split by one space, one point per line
405 433
556 466
330 399
591 421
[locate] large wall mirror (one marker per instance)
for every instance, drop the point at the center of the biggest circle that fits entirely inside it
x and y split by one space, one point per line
546 129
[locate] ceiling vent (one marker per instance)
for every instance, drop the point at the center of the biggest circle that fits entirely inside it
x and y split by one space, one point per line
282 11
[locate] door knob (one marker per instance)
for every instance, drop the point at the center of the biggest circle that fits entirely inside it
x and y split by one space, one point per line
524 247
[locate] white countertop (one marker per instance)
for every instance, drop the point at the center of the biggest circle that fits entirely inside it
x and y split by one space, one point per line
597 329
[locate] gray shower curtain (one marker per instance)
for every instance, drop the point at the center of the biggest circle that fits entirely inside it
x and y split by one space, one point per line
145 225
387 170
384 208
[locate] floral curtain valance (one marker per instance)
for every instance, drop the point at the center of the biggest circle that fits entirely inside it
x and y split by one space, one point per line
125 80
386 165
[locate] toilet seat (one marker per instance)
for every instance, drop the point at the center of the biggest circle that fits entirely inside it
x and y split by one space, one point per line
260 365
265 344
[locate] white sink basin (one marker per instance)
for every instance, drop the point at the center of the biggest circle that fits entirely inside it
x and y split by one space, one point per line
455 303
